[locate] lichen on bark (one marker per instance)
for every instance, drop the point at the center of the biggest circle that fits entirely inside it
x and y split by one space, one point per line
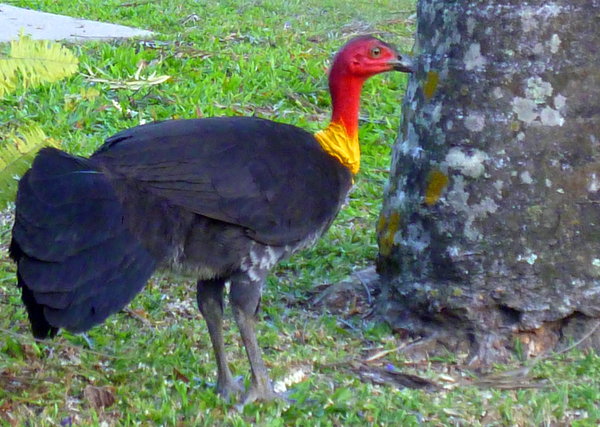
490 228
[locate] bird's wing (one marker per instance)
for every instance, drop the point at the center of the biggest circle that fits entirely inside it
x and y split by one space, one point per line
270 178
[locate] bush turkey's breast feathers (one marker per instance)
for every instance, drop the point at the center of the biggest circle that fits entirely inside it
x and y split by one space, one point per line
270 178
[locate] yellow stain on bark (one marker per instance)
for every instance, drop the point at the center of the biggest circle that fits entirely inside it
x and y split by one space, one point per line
431 84
387 227
436 183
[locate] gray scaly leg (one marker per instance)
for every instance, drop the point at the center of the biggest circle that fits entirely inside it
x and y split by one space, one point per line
245 299
210 302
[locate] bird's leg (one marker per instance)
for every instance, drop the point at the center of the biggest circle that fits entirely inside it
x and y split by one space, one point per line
210 302
245 299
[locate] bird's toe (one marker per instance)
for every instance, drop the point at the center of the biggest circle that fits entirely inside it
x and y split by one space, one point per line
231 389
261 394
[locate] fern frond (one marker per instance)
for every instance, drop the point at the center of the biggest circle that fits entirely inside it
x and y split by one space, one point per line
17 149
33 62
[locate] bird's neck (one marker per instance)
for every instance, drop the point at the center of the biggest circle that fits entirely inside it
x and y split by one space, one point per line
340 138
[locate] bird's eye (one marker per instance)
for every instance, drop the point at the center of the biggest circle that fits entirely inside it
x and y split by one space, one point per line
375 52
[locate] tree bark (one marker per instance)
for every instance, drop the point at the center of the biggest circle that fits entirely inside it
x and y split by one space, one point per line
489 235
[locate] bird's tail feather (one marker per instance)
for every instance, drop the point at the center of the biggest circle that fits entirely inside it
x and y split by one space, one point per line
77 261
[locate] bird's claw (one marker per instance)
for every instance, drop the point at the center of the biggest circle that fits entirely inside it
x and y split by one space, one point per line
231 388
261 394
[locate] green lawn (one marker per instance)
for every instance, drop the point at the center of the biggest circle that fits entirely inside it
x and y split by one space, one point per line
266 58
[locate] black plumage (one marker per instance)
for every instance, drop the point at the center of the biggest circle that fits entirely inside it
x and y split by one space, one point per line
250 172
77 261
190 194
219 199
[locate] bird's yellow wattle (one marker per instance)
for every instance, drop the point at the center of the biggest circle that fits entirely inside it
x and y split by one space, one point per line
336 142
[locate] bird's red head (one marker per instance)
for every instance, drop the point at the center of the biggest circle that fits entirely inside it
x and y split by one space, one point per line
366 56
359 59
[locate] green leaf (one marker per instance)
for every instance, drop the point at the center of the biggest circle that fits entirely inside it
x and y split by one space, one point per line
17 149
34 62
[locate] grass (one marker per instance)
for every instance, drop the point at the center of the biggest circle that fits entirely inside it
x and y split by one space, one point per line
266 58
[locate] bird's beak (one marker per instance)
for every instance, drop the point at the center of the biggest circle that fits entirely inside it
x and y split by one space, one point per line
403 63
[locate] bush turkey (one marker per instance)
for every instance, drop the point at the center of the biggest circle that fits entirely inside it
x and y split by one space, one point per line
219 199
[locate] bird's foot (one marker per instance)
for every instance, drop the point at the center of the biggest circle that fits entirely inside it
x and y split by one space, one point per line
261 394
231 388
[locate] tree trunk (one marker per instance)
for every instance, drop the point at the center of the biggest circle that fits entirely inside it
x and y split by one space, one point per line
490 232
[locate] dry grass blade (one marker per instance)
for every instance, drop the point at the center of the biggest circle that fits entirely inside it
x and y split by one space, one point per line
382 354
133 84
140 315
136 81
513 379
588 334
392 377
510 383
135 3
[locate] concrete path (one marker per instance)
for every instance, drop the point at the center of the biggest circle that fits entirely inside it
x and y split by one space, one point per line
48 26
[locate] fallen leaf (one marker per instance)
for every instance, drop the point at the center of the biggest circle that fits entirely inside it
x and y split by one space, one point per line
99 397
180 376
